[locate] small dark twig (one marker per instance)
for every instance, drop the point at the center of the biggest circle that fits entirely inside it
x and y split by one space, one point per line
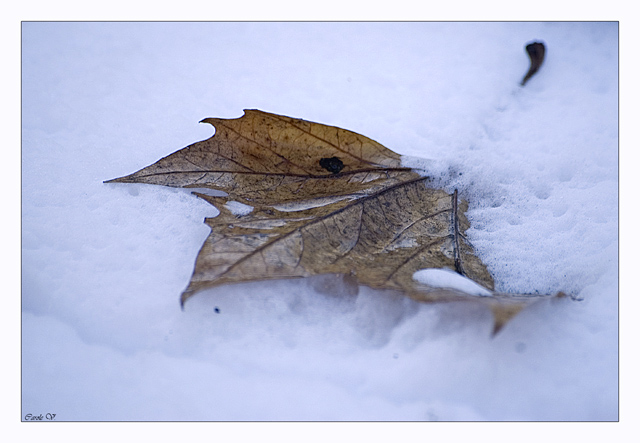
536 52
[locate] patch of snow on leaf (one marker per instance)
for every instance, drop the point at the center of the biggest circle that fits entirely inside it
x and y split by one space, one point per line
444 278
238 208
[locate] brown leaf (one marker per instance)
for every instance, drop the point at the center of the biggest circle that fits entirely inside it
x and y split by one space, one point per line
325 201
268 159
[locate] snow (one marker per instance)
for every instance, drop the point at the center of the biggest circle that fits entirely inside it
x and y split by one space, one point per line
445 278
238 208
103 265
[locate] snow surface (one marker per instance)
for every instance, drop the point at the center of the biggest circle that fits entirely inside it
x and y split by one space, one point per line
103 336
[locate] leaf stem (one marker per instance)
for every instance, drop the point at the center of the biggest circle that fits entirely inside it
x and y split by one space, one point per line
456 243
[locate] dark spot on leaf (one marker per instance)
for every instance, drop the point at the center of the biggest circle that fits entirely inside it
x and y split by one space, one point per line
333 164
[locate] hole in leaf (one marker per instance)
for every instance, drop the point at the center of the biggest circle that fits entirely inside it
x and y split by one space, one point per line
333 164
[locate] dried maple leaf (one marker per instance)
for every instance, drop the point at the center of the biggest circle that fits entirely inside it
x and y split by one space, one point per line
324 201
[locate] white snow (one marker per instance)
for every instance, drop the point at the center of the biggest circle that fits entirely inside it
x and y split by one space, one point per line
444 278
103 265
238 208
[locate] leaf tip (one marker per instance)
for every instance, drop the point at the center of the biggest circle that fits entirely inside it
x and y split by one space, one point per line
183 298
502 314
497 326
118 180
208 120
